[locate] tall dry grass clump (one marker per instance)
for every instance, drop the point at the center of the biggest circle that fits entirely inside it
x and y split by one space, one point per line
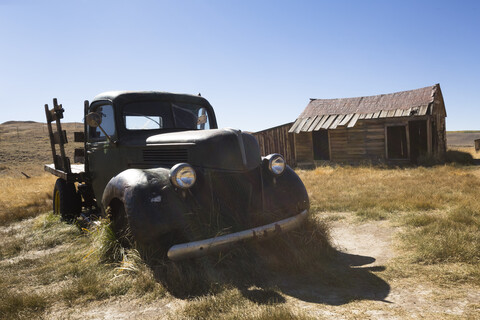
22 198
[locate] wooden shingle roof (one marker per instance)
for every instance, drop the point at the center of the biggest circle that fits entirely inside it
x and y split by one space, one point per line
330 113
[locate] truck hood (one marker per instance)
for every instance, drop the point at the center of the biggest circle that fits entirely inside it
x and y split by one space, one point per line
222 149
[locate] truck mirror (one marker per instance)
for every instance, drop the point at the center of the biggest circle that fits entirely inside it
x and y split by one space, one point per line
93 119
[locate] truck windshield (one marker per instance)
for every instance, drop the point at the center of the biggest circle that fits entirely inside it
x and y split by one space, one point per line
154 115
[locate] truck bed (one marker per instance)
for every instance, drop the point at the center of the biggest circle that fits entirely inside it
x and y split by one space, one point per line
77 175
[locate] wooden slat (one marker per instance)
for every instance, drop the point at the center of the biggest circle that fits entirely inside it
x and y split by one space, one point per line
345 119
362 116
353 121
406 112
308 124
383 114
321 122
60 137
398 113
390 113
300 126
329 121
295 125
314 124
423 110
79 136
376 115
336 122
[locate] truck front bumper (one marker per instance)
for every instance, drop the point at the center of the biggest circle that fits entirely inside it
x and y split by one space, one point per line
202 247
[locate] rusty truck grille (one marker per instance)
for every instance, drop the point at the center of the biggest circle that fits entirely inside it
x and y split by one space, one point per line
165 156
237 197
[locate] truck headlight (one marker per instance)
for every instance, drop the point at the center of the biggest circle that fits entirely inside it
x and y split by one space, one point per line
276 163
182 175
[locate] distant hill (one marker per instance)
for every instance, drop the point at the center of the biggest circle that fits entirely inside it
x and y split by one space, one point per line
18 122
462 138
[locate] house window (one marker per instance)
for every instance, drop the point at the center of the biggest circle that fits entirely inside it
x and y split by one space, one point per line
397 142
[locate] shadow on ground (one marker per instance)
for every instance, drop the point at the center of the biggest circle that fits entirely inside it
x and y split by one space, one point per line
335 281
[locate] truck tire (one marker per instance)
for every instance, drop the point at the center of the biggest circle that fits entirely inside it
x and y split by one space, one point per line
66 201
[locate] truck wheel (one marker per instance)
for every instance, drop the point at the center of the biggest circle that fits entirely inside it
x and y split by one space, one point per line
66 201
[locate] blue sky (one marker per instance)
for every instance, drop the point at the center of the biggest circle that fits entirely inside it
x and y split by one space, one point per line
257 62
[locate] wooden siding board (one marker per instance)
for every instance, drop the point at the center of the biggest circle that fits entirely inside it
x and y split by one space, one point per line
423 110
336 122
277 140
320 123
345 119
295 125
300 126
353 121
314 123
329 121
307 124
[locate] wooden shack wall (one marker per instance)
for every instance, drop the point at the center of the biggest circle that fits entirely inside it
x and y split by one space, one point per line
365 141
304 148
277 140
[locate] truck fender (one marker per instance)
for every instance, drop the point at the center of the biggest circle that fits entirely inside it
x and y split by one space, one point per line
152 206
285 193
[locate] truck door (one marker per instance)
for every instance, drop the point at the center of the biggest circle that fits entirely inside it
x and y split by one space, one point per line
100 151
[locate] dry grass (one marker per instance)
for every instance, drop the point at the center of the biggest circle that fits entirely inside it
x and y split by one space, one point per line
22 198
438 207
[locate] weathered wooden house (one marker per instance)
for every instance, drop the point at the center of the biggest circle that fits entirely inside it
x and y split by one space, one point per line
394 128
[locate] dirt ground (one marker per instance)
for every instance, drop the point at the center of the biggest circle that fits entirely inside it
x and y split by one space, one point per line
368 247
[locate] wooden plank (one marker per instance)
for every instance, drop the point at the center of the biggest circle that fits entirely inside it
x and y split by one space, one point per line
300 126
320 123
423 110
383 114
295 125
353 121
362 116
398 113
307 124
329 121
336 122
390 113
314 123
376 114
345 119
406 112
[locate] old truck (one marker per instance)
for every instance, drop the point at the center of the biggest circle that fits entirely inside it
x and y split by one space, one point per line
158 165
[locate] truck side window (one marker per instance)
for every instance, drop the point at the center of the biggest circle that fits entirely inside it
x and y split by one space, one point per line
108 123
202 120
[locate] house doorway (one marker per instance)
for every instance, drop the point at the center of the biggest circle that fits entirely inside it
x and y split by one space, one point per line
321 145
